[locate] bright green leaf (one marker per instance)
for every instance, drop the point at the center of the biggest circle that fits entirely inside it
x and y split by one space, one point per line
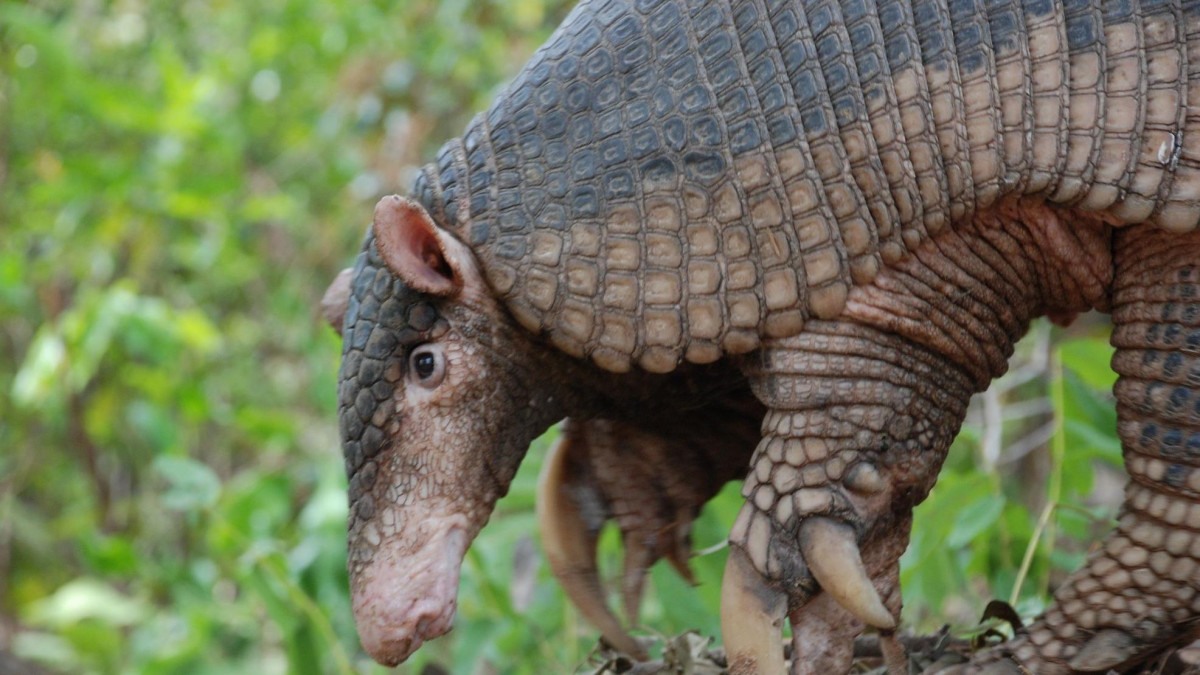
974 519
86 598
41 370
1090 359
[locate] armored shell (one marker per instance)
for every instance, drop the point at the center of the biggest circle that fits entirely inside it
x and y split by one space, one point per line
672 181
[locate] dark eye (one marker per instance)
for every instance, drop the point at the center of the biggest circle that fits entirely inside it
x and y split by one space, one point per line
423 365
427 366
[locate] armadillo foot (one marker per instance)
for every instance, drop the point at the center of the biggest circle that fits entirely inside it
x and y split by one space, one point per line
753 609
827 538
601 470
833 480
830 585
1136 597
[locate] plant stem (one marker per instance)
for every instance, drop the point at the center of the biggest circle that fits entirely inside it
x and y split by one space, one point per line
1058 452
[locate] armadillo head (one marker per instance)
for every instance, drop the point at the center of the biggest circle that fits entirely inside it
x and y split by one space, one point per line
440 394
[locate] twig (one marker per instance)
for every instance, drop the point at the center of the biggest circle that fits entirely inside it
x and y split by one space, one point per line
1058 452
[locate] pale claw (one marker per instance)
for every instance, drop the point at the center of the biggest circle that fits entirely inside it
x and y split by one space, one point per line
640 554
570 545
680 553
638 559
832 555
751 619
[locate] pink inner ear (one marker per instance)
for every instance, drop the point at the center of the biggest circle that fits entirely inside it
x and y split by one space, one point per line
410 246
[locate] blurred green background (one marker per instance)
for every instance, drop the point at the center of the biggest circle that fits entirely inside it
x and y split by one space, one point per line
179 181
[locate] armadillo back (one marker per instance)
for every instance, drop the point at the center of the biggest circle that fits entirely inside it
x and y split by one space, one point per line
671 181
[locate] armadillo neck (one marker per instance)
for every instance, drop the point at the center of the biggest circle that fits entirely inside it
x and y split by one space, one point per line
815 141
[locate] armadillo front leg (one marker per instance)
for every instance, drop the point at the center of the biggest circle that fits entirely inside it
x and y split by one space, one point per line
1139 592
858 426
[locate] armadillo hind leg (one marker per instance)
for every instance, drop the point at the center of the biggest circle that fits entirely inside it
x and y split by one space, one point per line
858 424
1138 593
651 483
572 507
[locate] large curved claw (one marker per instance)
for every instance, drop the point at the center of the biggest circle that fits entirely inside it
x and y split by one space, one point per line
832 554
569 538
752 615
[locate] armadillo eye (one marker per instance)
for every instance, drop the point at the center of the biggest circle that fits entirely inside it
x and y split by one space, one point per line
427 365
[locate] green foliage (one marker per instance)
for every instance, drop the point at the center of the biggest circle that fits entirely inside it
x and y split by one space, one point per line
178 183
1010 527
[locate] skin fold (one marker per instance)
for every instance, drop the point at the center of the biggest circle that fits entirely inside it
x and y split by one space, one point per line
783 242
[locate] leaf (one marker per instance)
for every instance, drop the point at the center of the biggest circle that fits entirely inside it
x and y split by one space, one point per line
974 519
1090 359
111 554
47 648
41 371
326 509
192 486
87 598
196 332
688 654
1094 442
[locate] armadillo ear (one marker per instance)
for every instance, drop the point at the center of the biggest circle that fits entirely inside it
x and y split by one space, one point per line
336 298
412 247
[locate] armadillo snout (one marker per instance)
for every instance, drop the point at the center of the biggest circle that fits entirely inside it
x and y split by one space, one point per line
402 599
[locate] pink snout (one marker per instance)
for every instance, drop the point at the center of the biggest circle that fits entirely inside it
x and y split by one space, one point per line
400 602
